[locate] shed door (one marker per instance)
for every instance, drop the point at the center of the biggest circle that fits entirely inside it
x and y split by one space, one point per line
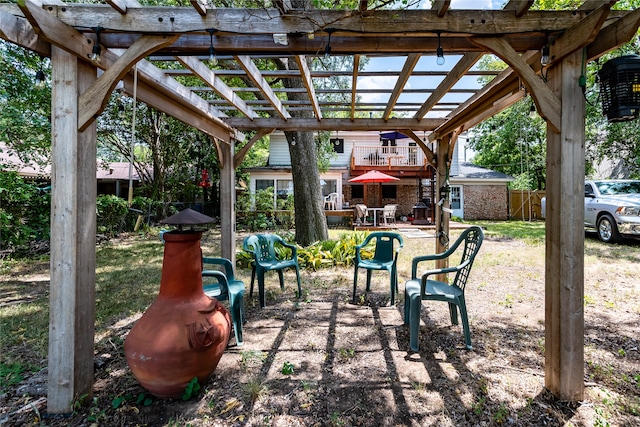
456 199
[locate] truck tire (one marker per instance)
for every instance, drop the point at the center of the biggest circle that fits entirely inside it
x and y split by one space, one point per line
608 230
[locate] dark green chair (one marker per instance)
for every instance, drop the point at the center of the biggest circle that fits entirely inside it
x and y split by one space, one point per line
387 245
265 249
418 289
226 287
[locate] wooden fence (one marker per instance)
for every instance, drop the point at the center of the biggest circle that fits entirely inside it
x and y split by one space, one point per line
525 205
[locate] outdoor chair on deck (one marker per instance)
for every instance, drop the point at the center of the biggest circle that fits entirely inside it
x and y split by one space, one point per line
361 214
418 289
228 288
265 249
389 214
331 202
385 257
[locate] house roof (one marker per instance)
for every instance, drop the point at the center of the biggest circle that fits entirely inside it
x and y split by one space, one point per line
469 172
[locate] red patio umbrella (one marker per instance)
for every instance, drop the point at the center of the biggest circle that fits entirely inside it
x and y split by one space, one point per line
372 177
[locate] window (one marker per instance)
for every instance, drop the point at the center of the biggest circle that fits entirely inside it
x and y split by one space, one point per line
329 186
455 197
337 144
389 191
263 184
284 188
357 191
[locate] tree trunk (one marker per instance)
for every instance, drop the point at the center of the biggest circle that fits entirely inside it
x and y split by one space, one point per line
311 224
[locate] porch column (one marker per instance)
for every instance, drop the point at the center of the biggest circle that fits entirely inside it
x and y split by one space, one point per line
227 201
564 268
73 238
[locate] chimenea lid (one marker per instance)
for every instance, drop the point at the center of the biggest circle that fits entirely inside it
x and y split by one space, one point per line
187 217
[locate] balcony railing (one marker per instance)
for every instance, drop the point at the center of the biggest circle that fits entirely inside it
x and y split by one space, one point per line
394 156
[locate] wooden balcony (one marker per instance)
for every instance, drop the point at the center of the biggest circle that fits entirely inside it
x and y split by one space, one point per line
408 159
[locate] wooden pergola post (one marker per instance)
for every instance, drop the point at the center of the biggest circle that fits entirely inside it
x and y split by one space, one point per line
442 172
73 238
564 268
227 201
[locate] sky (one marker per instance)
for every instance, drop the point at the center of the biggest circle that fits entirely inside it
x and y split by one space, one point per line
425 63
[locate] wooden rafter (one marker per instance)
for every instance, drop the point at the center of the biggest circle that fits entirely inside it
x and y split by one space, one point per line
20 31
459 70
579 35
254 74
122 5
407 68
209 77
199 7
623 29
440 7
354 85
520 7
308 83
283 6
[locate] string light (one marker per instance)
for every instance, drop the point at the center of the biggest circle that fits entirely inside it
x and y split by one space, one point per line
213 60
95 52
40 76
439 52
327 49
545 54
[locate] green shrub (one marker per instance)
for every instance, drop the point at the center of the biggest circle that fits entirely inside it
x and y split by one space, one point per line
24 212
112 212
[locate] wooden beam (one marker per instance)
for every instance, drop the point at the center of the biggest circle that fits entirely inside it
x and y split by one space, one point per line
19 31
579 35
354 85
269 21
614 35
409 65
296 124
95 99
547 103
363 5
254 74
305 74
122 5
520 7
498 106
595 4
209 77
242 153
440 7
431 158
71 40
461 67
200 7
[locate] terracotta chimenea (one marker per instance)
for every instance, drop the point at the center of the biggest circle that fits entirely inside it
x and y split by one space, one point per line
183 334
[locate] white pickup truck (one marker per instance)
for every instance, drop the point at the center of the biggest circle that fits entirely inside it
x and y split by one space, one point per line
611 207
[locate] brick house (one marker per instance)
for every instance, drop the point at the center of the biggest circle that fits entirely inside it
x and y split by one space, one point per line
476 193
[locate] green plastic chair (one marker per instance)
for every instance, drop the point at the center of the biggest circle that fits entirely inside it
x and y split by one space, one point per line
227 287
387 246
418 289
264 248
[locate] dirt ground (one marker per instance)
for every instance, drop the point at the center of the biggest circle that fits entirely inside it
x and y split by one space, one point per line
325 361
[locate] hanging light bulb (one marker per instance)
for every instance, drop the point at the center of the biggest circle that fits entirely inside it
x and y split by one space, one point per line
327 49
40 76
532 110
439 52
95 51
544 58
213 60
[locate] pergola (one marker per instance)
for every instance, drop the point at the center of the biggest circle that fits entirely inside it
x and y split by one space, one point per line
152 49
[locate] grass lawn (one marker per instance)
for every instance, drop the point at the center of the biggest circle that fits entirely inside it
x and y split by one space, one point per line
346 363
